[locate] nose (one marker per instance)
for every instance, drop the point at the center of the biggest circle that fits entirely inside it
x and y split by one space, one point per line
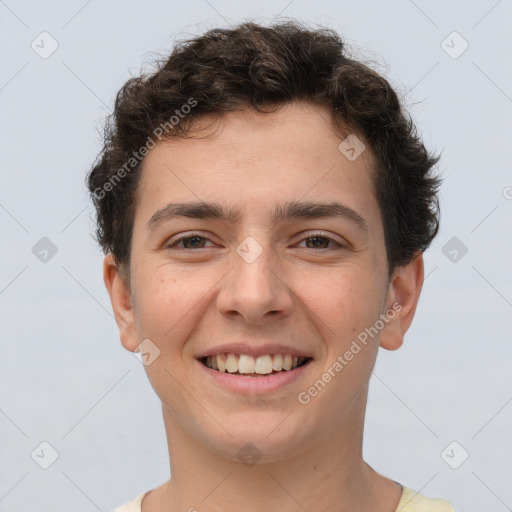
256 288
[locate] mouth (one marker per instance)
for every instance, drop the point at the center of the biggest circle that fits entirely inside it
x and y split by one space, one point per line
246 365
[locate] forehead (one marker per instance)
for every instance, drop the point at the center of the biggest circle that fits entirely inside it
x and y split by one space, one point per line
294 130
255 161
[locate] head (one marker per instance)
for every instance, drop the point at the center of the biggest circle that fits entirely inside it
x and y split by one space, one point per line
314 200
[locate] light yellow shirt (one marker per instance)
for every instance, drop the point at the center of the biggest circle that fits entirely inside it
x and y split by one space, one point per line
410 501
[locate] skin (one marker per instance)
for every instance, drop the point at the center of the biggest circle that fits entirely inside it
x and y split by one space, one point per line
311 295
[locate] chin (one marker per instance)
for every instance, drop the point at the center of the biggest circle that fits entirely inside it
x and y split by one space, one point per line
263 438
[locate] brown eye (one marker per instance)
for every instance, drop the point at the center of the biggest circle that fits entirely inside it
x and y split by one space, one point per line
321 242
318 242
189 242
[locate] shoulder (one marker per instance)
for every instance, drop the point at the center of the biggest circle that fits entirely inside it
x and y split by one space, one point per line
412 501
132 506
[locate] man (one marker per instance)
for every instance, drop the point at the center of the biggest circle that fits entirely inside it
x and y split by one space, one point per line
263 202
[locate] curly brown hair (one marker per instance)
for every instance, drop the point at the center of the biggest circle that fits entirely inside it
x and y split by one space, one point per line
264 68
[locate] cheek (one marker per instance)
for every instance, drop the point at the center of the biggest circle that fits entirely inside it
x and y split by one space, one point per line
168 310
172 303
164 302
351 305
347 301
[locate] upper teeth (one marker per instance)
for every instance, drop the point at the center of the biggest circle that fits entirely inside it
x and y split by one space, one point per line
243 363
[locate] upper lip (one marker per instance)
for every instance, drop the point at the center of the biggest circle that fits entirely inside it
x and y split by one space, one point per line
254 350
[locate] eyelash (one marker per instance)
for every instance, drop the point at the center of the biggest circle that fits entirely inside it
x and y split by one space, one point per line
338 245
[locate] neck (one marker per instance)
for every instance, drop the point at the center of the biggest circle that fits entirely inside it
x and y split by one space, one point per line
329 473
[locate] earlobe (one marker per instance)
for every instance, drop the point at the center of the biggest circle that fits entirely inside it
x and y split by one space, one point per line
402 299
120 297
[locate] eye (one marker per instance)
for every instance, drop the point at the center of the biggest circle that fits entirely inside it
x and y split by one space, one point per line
318 241
190 242
196 241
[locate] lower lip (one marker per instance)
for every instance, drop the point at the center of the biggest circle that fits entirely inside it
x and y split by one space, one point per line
255 385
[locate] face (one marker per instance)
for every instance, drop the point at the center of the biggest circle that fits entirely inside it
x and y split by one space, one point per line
257 246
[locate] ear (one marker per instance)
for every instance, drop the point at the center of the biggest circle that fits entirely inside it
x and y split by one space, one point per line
402 299
120 297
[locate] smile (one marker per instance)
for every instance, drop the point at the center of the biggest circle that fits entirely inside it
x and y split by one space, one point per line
249 366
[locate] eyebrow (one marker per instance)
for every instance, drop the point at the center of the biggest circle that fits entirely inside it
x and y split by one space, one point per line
287 211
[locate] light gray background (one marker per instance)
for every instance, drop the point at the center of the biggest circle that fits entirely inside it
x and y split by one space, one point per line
66 379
